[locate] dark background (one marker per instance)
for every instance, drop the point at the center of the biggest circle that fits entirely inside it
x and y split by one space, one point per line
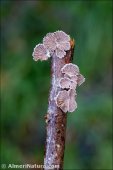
25 84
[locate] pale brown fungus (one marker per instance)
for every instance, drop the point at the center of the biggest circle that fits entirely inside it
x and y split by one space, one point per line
40 53
70 69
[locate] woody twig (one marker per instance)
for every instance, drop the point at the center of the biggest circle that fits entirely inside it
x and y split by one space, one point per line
65 78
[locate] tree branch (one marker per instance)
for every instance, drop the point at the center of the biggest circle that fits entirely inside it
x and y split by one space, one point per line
56 118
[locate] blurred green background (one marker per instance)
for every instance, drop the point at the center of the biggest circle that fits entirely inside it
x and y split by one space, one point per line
25 84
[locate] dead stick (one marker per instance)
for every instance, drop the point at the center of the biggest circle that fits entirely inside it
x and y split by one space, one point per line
56 118
65 78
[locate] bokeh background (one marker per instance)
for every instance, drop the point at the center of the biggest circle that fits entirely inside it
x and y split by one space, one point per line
25 84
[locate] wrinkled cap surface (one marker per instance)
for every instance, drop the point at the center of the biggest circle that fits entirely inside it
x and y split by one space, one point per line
66 83
62 40
60 53
40 53
61 36
65 100
70 69
58 41
62 100
78 79
49 42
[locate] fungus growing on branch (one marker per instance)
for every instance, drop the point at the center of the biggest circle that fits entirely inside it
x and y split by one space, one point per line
40 53
66 100
65 76
66 83
70 69
58 42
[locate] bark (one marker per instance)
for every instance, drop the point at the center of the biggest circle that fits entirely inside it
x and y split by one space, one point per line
56 118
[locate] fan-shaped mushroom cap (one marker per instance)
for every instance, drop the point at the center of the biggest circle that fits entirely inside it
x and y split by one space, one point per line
62 100
65 100
61 36
58 41
81 79
40 53
66 83
49 42
63 40
70 69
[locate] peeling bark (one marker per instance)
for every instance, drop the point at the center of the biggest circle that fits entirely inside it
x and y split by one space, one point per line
56 118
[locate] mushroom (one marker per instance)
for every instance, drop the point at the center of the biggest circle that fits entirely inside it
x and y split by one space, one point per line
66 83
61 36
40 53
59 42
70 69
65 100
49 42
63 40
62 100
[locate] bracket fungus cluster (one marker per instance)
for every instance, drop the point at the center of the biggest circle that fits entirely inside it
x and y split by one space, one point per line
65 98
58 43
